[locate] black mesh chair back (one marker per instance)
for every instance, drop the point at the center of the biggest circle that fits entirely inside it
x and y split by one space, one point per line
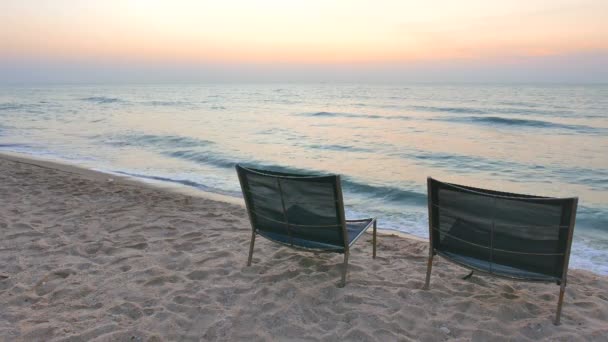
300 211
503 234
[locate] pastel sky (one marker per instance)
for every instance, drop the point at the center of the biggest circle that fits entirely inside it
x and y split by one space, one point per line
476 40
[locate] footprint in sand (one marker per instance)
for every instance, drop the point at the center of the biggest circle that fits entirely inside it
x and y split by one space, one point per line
134 312
51 281
509 295
161 280
139 246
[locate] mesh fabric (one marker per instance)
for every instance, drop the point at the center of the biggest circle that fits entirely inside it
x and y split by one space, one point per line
512 235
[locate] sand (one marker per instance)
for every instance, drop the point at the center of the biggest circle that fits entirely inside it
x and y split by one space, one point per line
83 258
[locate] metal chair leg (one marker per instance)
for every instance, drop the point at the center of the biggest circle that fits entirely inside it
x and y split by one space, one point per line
251 248
468 276
429 266
345 269
560 301
374 241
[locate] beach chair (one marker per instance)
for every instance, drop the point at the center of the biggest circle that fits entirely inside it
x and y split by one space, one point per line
520 237
300 211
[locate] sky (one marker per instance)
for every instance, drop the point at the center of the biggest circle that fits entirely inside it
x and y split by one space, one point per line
317 41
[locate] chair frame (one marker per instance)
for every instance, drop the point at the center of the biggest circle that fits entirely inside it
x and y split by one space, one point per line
561 282
342 217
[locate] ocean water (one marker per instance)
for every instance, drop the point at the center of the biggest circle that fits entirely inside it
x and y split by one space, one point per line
384 140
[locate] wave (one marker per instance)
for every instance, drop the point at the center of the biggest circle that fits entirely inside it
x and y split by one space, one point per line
495 110
353 115
505 121
327 114
514 122
11 106
518 104
31 108
588 217
14 146
498 120
596 178
224 162
102 99
514 171
350 185
158 141
456 163
460 163
285 134
334 147
550 112
459 110
592 218
385 193
185 182
167 103
202 158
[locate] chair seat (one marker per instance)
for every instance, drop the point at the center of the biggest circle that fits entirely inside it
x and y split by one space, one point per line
354 228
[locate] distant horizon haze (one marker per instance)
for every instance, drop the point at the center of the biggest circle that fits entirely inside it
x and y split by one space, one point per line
65 41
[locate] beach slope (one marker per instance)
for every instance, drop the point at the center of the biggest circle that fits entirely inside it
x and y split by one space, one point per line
86 258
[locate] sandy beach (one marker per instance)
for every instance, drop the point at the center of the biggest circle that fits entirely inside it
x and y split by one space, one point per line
87 256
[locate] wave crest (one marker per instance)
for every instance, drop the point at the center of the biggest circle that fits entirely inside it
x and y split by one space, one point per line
102 99
354 115
157 141
506 121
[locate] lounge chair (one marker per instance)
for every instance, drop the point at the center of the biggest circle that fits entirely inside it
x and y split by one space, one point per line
514 236
300 211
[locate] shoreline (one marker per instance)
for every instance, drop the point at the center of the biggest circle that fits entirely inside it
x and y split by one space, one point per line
122 179
83 258
173 188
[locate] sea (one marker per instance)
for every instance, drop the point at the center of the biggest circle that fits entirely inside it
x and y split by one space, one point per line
383 139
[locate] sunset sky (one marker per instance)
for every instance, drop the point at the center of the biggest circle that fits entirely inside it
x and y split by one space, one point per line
531 40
